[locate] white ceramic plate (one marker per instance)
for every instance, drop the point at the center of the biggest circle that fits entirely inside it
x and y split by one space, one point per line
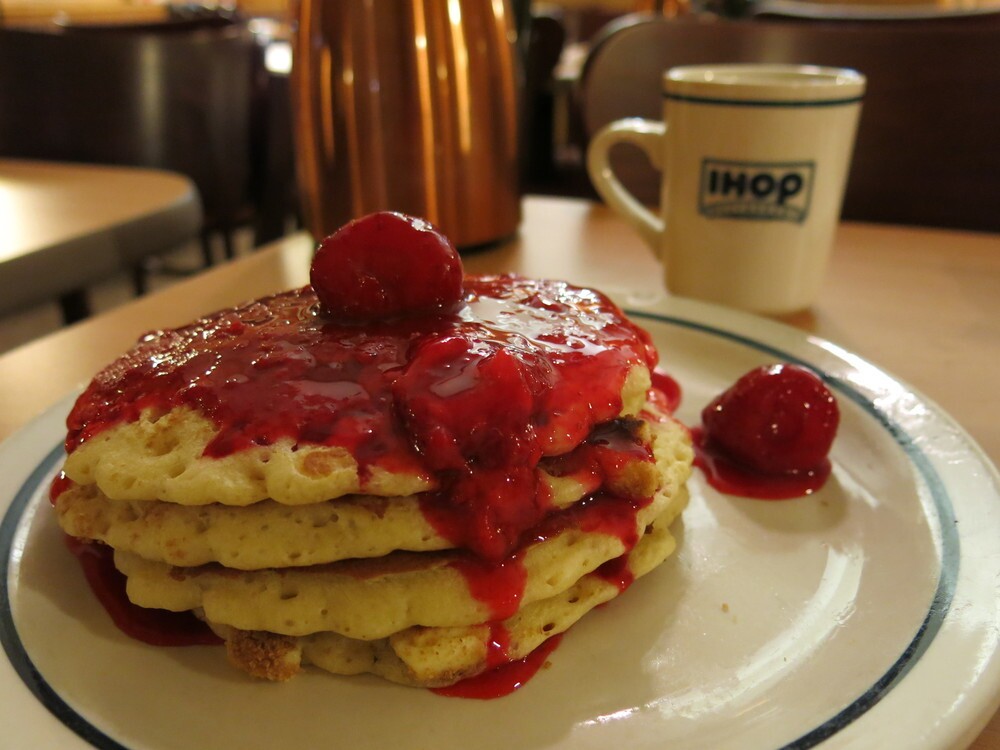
867 615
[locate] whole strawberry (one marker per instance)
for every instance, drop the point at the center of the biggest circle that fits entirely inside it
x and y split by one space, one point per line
776 419
386 265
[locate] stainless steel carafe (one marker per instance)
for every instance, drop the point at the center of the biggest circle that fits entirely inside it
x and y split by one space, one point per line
408 105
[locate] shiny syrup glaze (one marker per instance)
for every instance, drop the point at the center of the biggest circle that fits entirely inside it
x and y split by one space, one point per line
59 485
157 627
603 513
666 391
609 448
500 585
498 646
733 479
473 399
503 679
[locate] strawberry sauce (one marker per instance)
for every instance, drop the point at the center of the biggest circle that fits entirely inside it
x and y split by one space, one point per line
157 627
59 485
498 585
617 572
769 434
607 451
471 384
733 478
472 399
666 391
504 679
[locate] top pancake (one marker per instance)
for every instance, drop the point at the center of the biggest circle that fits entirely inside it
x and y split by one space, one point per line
165 457
276 400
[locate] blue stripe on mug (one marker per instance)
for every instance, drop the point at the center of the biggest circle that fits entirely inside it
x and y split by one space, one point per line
761 103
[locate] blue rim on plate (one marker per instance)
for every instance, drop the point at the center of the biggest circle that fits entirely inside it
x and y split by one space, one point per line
931 624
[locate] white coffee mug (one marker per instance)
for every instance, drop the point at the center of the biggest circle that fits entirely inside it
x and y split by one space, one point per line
754 161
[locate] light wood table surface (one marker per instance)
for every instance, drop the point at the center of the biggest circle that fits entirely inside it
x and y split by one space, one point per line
66 226
923 304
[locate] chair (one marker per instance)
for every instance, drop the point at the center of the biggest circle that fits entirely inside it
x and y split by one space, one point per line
173 17
927 150
545 39
182 101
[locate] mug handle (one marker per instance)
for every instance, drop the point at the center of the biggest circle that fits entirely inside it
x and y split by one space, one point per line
647 135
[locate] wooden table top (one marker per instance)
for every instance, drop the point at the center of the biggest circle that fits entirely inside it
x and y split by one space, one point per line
923 304
64 226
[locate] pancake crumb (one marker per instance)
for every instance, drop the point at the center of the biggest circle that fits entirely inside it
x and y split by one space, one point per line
265 655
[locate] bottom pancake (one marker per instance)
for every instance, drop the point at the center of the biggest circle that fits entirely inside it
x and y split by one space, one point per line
441 656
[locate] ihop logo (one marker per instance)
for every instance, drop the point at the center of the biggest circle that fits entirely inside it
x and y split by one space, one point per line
768 191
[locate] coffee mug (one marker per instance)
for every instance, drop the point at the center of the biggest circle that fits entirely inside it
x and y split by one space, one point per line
754 161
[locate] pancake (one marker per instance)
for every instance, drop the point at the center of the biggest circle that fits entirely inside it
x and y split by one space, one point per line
437 657
372 598
163 457
265 534
274 401
350 527
381 493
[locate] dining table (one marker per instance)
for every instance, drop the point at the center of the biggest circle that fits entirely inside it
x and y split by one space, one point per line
66 226
920 303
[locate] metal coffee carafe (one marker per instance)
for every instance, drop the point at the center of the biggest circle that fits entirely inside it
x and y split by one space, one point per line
412 106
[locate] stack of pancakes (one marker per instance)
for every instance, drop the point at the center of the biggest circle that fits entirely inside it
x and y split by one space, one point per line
423 500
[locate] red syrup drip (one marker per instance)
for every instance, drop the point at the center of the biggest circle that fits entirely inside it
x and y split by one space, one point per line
604 513
607 450
601 513
498 646
59 485
502 680
609 447
731 478
667 391
491 515
617 572
471 399
497 585
157 627
500 585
